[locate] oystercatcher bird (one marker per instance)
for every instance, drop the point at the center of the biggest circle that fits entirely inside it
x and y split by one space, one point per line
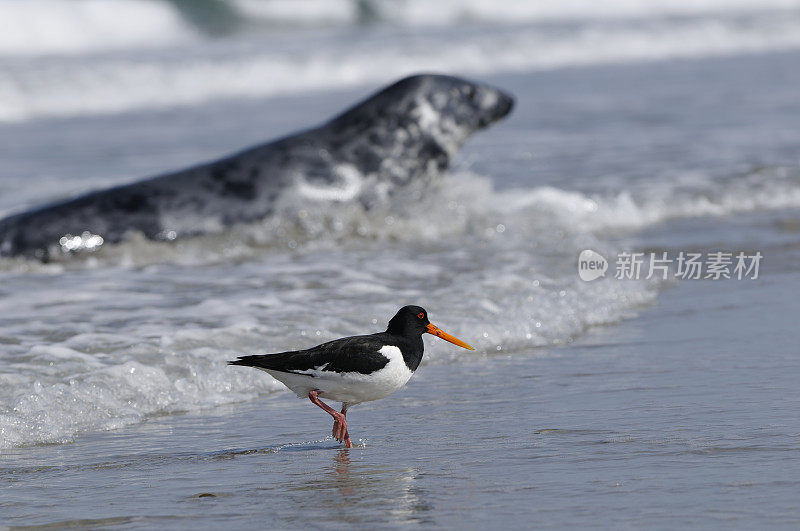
354 369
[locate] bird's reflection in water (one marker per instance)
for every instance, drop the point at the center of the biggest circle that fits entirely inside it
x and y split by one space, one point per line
354 491
341 465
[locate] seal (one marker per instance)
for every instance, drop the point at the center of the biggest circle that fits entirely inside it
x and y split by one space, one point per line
407 132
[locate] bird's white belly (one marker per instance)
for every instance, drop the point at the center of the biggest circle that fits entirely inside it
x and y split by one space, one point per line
350 387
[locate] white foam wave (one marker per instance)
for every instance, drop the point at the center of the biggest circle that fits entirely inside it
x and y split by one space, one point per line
80 26
35 27
465 205
100 396
116 83
459 206
300 13
69 27
153 339
166 360
685 196
515 11
451 12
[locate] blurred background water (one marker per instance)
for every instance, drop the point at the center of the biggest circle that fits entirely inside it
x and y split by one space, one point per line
71 58
639 125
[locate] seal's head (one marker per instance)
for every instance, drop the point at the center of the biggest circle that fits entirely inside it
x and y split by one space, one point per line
418 123
463 105
447 107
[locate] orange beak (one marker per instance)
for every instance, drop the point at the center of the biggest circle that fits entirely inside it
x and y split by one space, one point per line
447 337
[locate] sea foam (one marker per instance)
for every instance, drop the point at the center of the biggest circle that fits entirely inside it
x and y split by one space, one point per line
145 328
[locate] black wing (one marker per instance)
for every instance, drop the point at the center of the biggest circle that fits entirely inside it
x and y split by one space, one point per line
349 354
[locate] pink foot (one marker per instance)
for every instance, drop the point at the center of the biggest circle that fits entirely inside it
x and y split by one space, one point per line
339 431
339 427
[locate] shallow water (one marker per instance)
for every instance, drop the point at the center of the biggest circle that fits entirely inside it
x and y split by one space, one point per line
655 423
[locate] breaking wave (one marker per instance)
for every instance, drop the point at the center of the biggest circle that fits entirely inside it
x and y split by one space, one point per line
149 54
150 341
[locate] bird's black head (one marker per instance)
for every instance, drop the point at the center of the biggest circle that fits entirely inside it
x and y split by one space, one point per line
412 321
409 321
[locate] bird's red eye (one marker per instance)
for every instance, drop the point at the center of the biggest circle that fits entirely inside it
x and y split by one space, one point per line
421 315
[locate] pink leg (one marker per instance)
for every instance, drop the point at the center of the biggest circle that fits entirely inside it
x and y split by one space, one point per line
337 426
339 420
345 435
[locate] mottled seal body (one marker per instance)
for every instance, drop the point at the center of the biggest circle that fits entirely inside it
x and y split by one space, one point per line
406 132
